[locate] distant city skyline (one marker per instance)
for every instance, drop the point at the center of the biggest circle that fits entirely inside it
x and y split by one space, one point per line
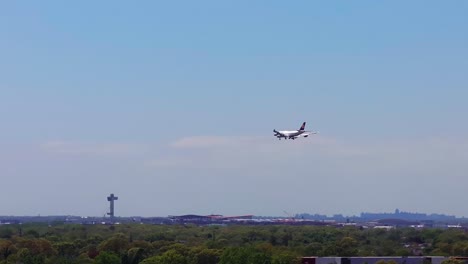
171 107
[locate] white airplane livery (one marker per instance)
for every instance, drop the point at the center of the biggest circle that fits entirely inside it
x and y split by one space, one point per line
294 133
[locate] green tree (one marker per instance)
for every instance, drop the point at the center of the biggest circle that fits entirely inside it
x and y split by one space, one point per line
134 256
205 256
172 257
347 246
66 249
117 244
244 255
6 232
107 258
285 258
453 261
169 257
6 249
25 256
152 260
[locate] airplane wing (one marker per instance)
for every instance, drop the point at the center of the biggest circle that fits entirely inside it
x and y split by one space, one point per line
278 134
305 134
294 137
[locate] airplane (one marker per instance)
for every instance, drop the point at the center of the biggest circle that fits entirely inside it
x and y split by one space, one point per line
293 134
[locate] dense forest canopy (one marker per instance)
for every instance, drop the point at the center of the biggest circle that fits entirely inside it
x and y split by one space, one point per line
191 244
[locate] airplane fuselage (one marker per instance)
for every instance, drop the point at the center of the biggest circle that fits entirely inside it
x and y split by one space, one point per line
293 134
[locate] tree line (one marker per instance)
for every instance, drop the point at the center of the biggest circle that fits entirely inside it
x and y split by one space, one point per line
191 244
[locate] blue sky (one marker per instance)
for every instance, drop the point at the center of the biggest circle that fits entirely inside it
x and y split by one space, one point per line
173 103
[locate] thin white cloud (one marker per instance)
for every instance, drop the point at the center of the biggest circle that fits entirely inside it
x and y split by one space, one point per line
210 141
170 162
234 152
98 149
241 152
324 145
268 173
230 152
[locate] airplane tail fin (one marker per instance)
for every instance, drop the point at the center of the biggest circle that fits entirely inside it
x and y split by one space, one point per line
303 126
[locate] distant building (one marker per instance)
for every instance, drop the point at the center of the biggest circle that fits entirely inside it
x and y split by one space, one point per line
373 260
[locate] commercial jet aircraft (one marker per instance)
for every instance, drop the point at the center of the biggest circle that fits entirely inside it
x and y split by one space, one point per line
293 134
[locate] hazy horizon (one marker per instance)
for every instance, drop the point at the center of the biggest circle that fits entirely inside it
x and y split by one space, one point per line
285 214
171 107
